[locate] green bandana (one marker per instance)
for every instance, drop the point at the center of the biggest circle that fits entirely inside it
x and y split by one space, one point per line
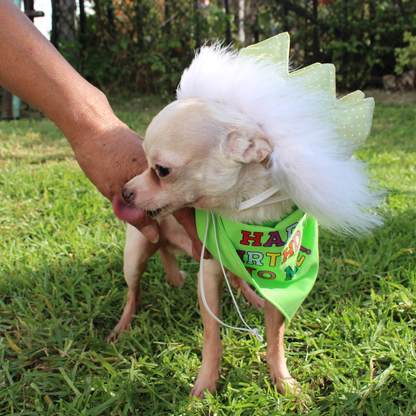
279 259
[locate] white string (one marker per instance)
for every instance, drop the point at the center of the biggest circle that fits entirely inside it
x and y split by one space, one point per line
263 199
255 331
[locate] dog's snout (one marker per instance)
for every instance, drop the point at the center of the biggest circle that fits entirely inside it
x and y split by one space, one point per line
127 195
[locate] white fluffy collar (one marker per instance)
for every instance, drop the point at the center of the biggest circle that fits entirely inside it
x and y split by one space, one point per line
314 133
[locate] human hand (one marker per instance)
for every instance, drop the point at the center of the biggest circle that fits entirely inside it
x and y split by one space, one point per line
186 217
111 154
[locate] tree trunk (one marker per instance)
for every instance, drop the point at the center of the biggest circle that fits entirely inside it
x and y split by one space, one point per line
82 22
284 19
251 21
241 18
315 32
67 19
63 21
197 25
138 10
167 17
227 22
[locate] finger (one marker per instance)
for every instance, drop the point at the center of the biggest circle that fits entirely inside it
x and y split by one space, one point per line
186 217
151 232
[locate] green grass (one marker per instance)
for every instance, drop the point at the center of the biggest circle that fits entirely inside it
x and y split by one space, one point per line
352 343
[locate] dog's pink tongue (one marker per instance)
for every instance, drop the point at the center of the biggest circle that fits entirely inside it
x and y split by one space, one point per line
127 212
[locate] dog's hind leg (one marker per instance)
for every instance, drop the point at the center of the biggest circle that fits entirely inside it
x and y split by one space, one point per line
275 329
210 370
175 276
137 252
249 295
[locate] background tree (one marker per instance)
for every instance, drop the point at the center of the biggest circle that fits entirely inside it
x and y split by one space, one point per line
144 45
64 24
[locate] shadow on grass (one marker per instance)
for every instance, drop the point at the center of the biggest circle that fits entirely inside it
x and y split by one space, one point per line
57 318
353 269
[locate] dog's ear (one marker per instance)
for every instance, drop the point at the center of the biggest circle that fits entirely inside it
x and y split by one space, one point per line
247 143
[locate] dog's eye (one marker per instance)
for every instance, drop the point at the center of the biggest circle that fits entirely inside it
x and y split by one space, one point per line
162 171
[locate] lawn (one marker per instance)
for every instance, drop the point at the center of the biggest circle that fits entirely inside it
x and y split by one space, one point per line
352 343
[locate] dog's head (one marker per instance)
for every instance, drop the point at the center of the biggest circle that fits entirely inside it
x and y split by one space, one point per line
199 155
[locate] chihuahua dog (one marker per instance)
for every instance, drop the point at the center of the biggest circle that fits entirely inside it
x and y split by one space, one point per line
239 128
225 166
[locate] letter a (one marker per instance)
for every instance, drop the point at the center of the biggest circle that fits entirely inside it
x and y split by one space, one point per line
274 239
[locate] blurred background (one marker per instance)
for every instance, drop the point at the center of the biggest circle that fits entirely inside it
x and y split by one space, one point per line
144 45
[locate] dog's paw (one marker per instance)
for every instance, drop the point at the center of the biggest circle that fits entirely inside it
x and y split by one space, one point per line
287 386
113 337
249 294
198 390
117 331
182 278
177 279
253 299
207 379
291 387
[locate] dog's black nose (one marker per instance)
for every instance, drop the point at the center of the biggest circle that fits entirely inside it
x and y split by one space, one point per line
127 195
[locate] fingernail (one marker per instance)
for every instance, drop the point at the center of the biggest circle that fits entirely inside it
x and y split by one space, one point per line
150 233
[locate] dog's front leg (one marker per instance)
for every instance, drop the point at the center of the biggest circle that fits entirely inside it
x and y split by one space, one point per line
137 251
275 330
212 349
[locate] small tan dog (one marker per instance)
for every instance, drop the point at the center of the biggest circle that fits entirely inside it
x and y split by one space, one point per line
225 165
244 129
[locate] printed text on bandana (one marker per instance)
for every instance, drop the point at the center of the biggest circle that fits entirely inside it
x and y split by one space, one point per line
266 254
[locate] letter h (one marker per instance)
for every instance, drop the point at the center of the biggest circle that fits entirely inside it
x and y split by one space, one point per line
247 237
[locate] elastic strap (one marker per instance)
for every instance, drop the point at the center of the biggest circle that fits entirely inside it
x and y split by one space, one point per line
265 198
255 331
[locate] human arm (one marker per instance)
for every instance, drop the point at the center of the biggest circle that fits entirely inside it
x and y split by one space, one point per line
32 69
108 151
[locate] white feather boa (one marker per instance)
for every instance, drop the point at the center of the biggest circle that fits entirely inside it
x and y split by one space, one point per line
314 134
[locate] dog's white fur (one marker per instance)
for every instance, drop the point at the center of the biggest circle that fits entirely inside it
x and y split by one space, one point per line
251 127
215 160
310 161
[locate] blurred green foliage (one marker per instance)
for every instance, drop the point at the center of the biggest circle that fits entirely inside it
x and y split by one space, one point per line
144 45
406 57
361 38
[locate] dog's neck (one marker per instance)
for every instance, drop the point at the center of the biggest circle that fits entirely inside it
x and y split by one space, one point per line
253 180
